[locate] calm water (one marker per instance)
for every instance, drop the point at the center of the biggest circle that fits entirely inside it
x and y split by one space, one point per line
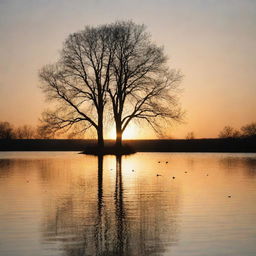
69 204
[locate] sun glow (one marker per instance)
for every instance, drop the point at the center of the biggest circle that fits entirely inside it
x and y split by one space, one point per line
131 132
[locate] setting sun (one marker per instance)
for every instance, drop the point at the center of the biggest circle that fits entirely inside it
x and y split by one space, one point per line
130 133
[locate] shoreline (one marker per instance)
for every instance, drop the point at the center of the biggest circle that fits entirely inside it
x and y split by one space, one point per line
239 145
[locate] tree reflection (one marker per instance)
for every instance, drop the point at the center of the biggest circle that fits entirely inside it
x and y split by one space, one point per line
119 209
114 223
5 165
246 164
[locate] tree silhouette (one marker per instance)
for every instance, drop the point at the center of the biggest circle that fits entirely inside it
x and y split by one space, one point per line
143 88
25 132
229 132
78 82
190 136
116 62
249 130
6 130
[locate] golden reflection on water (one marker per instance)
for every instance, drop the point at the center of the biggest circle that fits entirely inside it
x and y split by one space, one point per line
144 204
100 213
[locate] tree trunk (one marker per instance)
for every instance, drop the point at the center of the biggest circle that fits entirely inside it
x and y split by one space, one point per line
118 134
100 139
100 131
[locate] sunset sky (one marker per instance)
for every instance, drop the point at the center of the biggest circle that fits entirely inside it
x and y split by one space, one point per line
213 43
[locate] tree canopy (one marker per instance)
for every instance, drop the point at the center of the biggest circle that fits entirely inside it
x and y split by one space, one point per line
142 87
115 65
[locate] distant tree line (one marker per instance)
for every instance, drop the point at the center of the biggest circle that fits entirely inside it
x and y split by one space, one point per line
246 131
8 131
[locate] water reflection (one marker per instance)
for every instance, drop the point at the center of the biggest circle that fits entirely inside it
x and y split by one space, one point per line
5 165
120 210
118 222
246 164
68 204
111 240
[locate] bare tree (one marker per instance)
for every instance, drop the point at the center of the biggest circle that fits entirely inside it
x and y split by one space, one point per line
142 87
42 133
78 82
25 132
190 136
249 130
229 132
6 131
117 62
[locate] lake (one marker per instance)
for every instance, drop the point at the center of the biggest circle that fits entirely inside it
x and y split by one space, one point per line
65 203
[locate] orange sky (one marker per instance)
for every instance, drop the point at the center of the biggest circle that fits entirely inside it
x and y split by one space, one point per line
212 42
